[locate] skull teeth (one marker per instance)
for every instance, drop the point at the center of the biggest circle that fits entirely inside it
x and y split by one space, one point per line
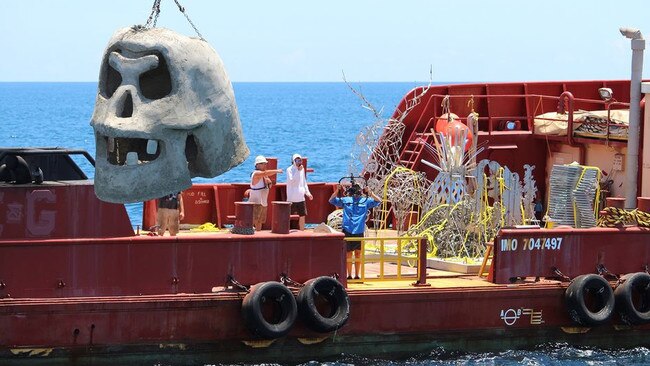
111 144
132 158
131 151
152 146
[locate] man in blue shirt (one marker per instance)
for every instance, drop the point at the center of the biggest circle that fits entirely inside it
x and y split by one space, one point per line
355 211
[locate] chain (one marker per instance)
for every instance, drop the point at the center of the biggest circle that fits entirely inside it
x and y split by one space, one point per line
445 107
230 280
560 274
284 278
605 272
155 13
182 10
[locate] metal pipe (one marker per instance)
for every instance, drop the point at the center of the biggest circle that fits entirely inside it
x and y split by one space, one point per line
422 265
632 159
568 98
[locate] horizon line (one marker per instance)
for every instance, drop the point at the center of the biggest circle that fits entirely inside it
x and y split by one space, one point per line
359 81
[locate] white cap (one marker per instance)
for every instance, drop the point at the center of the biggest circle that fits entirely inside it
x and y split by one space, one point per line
296 156
259 159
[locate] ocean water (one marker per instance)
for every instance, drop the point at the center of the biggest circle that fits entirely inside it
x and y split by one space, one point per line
551 355
318 120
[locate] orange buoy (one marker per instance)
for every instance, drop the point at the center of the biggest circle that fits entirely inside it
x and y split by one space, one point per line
443 121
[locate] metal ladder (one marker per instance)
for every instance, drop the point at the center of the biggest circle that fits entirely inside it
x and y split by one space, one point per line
489 255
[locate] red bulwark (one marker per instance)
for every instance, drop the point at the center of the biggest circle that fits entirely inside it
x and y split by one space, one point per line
149 265
216 203
574 252
50 211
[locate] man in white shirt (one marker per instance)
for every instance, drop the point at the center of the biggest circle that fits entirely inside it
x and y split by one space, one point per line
297 189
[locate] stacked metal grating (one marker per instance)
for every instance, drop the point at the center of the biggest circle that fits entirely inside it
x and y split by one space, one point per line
560 205
584 197
572 198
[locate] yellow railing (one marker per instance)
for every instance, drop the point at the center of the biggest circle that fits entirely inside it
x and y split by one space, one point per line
409 251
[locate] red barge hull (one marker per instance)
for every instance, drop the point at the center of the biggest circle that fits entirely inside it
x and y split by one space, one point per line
208 328
77 285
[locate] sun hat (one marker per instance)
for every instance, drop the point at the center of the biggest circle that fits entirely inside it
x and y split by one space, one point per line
296 156
259 159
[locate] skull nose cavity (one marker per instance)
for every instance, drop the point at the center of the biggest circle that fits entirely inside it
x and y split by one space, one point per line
126 111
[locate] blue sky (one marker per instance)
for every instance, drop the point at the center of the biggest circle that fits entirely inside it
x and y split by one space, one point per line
261 40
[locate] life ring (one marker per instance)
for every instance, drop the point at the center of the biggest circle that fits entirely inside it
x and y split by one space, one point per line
633 299
324 304
269 310
596 307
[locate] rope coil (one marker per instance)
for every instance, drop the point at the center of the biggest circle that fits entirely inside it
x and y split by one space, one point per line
618 217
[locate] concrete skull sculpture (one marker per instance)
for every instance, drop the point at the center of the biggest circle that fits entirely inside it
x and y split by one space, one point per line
165 112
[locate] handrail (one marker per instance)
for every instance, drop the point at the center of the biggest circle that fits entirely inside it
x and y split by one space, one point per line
26 151
50 151
420 257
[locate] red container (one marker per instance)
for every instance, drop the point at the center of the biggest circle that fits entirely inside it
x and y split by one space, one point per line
618 202
281 212
244 214
643 204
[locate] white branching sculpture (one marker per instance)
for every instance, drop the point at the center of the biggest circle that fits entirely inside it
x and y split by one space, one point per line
376 155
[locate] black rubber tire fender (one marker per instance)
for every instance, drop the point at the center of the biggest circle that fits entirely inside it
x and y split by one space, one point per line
636 286
576 302
283 310
327 289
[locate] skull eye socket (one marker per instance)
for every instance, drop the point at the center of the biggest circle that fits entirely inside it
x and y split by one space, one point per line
111 78
156 83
